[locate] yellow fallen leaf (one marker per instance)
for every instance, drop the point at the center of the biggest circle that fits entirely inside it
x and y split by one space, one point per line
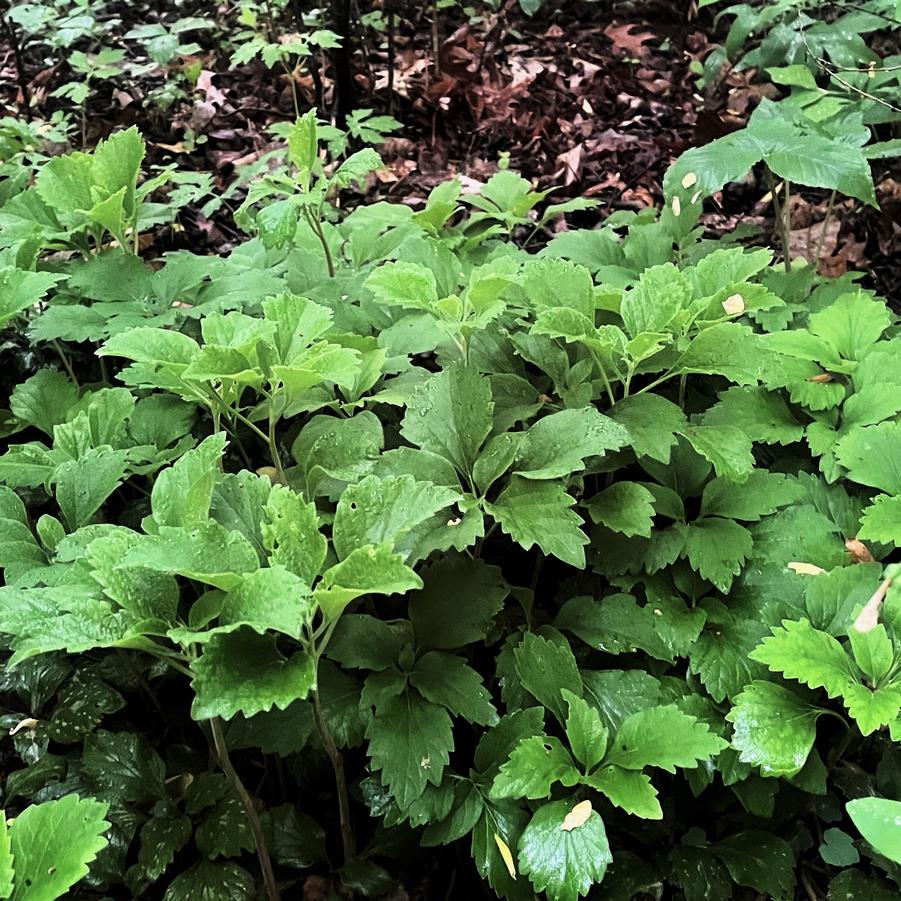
578 816
805 569
506 854
734 305
677 206
868 618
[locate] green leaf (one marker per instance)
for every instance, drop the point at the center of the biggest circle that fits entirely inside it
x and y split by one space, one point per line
558 444
448 680
538 513
19 551
303 146
83 485
798 651
872 708
207 553
873 651
366 570
872 456
545 668
728 448
211 881
881 521
535 765
624 507
53 843
773 728
500 822
182 494
225 831
124 767
764 415
20 290
837 849
664 737
661 294
549 283
162 837
716 549
629 790
291 534
879 822
728 349
762 494
410 741
245 672
44 400
851 324
652 423
268 599
585 732
458 604
379 511
6 860
760 861
664 628
451 415
406 285
565 863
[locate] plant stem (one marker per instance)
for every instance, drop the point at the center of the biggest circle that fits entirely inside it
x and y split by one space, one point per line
65 361
316 225
337 761
819 247
256 827
274 451
786 227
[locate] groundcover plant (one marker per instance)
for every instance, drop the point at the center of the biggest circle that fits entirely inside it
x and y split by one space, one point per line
387 556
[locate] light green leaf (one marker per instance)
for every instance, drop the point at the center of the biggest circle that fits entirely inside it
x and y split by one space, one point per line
384 511
535 765
565 863
872 708
291 534
539 513
629 790
585 732
872 456
652 422
557 445
245 672
20 290
6 860
881 521
762 494
182 493
407 285
84 484
852 324
728 349
664 737
727 447
661 294
451 415
773 728
879 822
550 283
764 415
268 599
798 651
52 844
44 400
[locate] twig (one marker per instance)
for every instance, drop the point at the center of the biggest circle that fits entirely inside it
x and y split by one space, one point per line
819 248
337 761
256 827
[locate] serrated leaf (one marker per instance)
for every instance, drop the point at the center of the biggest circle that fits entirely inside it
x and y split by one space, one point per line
20 290
798 651
624 507
764 415
557 445
451 415
563 863
663 737
448 680
759 860
539 513
410 742
629 790
53 843
716 549
871 456
773 728
211 881
535 765
545 668
124 767
245 672
585 732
